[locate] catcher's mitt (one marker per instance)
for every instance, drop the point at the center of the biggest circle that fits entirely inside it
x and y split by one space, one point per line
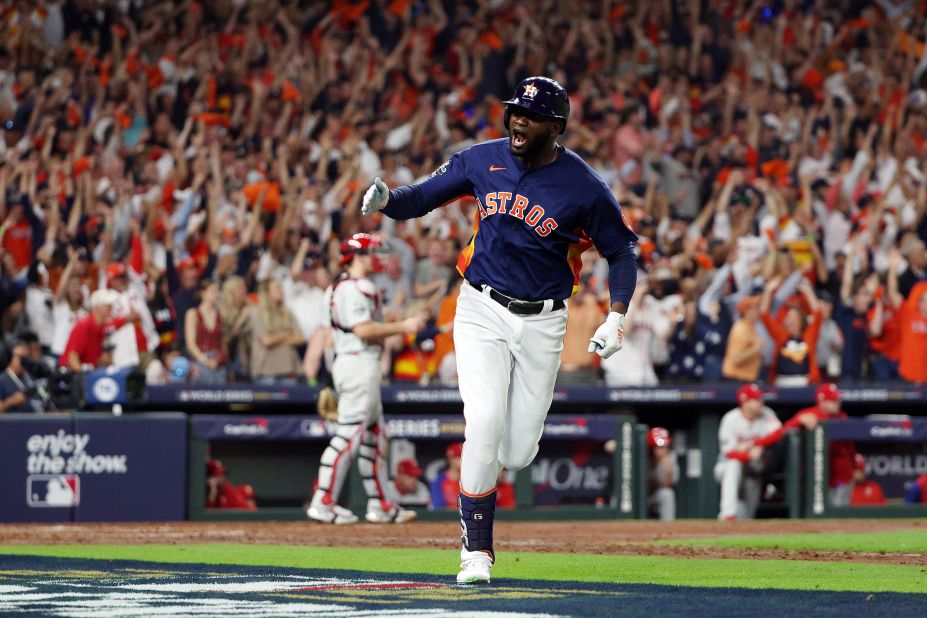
327 404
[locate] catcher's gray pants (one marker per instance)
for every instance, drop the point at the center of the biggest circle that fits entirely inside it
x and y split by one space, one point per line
360 432
357 382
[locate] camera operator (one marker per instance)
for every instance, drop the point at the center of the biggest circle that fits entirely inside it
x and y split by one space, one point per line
18 390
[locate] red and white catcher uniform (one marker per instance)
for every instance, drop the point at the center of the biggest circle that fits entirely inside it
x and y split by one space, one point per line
360 430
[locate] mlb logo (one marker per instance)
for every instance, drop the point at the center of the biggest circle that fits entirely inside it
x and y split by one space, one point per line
314 429
52 490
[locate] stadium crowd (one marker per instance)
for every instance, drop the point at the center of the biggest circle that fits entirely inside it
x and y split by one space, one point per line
176 178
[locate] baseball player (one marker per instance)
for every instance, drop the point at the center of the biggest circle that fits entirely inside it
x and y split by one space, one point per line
664 473
842 454
539 206
407 488
353 307
740 461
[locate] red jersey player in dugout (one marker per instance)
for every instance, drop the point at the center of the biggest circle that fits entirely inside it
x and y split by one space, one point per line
842 454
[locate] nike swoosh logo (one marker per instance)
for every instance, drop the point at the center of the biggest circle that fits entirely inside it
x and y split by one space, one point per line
493 168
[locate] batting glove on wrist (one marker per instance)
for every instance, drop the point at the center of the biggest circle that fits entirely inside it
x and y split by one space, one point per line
376 197
608 337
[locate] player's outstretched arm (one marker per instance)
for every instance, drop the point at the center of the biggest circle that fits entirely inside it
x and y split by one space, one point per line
445 184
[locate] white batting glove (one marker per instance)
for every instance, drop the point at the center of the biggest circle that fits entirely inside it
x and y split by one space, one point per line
608 337
376 197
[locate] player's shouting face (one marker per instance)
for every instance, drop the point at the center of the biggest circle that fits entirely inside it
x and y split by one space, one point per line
531 133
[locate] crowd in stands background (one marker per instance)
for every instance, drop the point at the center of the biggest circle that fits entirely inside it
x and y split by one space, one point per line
202 161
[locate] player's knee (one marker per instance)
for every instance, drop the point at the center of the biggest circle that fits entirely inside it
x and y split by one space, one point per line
666 497
665 493
516 459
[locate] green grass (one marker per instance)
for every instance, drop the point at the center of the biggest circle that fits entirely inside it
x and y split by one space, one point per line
778 574
903 541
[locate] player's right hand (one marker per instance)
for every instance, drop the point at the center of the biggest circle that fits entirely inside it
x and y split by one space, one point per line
376 197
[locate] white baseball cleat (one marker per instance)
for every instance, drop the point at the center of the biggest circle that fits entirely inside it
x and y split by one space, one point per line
331 514
395 515
474 569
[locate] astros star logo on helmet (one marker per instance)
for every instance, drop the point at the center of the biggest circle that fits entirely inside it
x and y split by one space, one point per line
530 91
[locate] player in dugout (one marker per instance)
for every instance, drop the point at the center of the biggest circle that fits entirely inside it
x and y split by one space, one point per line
664 474
842 454
741 462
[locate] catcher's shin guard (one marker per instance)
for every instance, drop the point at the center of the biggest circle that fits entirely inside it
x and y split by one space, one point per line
336 460
371 463
476 517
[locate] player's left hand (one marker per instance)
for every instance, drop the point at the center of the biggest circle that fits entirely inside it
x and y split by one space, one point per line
375 198
608 337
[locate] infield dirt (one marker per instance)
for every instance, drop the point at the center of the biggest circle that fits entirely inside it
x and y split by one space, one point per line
595 537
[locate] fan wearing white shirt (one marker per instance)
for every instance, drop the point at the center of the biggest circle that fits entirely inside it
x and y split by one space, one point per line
69 305
304 290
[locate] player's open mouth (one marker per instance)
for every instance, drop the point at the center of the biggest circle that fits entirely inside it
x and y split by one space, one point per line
518 138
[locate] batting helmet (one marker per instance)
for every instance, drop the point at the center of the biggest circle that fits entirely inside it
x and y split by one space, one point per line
359 244
658 436
541 95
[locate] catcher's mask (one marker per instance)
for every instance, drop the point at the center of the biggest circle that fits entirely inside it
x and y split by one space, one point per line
363 244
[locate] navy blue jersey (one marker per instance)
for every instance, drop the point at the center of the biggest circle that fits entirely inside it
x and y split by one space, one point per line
532 224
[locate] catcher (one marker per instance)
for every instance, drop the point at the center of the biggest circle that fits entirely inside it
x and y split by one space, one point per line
353 307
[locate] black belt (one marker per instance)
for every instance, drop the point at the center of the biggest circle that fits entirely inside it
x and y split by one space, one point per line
518 307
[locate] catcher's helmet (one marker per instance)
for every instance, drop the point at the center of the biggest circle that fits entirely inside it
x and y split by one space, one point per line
541 95
359 244
658 436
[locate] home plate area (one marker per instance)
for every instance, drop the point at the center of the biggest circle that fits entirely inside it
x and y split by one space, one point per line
99 588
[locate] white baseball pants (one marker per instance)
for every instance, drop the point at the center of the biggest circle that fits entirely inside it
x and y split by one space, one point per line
740 488
507 365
